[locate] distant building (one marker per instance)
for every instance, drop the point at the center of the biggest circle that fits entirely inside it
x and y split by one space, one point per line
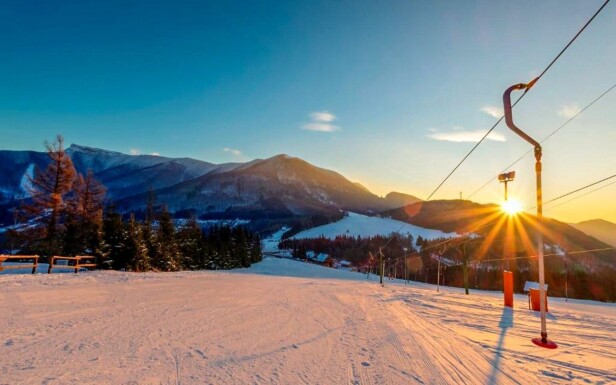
321 258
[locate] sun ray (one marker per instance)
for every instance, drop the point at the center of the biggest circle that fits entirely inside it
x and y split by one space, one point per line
491 236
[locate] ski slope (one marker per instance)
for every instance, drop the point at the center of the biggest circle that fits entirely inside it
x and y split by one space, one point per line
287 322
355 225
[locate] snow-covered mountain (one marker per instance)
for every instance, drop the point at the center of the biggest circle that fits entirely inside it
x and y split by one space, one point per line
280 186
277 187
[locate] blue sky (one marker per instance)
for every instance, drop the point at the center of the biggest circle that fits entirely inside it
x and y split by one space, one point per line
377 91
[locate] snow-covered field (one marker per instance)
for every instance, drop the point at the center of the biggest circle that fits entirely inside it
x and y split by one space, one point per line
287 322
355 225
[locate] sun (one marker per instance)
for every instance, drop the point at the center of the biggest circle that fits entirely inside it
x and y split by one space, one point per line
511 206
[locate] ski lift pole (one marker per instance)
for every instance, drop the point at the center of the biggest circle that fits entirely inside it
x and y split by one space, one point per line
381 265
438 274
543 341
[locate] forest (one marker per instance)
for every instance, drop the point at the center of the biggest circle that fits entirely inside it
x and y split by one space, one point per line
66 213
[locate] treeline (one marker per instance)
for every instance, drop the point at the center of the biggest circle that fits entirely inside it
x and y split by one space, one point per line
65 215
353 249
158 245
580 276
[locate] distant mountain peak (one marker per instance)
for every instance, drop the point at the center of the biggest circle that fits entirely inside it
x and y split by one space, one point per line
399 199
90 150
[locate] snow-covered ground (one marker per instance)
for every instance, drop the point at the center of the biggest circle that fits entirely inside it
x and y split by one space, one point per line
355 225
287 322
270 244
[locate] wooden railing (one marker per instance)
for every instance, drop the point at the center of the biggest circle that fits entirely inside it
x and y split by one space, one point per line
78 262
20 258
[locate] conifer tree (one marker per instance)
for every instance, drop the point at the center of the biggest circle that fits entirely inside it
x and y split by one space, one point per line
168 256
191 244
255 250
135 248
113 239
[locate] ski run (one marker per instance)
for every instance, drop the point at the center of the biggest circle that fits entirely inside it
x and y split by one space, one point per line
288 322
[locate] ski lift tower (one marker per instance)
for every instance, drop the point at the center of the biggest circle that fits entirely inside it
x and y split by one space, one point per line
543 341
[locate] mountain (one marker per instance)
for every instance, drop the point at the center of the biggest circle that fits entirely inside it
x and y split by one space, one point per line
603 230
124 175
397 199
16 166
280 186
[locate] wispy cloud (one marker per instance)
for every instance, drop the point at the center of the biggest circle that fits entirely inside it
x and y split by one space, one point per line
323 116
321 121
233 151
568 110
460 135
135 151
493 111
155 154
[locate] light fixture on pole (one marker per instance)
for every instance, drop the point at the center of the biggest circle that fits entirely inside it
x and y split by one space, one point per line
506 178
543 341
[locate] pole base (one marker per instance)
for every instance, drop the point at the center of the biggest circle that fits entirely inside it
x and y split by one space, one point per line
547 344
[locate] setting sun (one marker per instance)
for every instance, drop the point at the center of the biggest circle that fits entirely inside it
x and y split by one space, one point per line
511 206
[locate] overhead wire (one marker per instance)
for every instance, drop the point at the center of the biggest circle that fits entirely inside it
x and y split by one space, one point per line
579 189
545 139
502 117
520 98
583 195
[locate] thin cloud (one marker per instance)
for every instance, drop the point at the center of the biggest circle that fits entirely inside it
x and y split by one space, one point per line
134 151
155 154
466 136
493 111
321 122
323 116
233 151
320 127
569 110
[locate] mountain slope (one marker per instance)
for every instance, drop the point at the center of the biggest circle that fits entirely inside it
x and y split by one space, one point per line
356 225
280 186
125 175
277 187
603 230
397 199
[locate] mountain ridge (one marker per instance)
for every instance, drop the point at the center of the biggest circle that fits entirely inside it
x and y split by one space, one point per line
278 186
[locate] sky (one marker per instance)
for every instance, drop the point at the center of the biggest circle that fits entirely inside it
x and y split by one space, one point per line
389 94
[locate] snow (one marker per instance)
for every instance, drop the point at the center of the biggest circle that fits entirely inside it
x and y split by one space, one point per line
355 225
287 322
270 244
25 184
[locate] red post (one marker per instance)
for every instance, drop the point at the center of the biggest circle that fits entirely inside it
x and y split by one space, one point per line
508 288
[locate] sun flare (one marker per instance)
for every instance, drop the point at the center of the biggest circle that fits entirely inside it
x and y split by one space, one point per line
511 206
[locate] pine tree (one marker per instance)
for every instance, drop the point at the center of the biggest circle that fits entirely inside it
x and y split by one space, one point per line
47 205
113 239
191 244
135 248
255 249
168 255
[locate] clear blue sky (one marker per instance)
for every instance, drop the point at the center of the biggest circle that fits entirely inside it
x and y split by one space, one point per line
373 90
